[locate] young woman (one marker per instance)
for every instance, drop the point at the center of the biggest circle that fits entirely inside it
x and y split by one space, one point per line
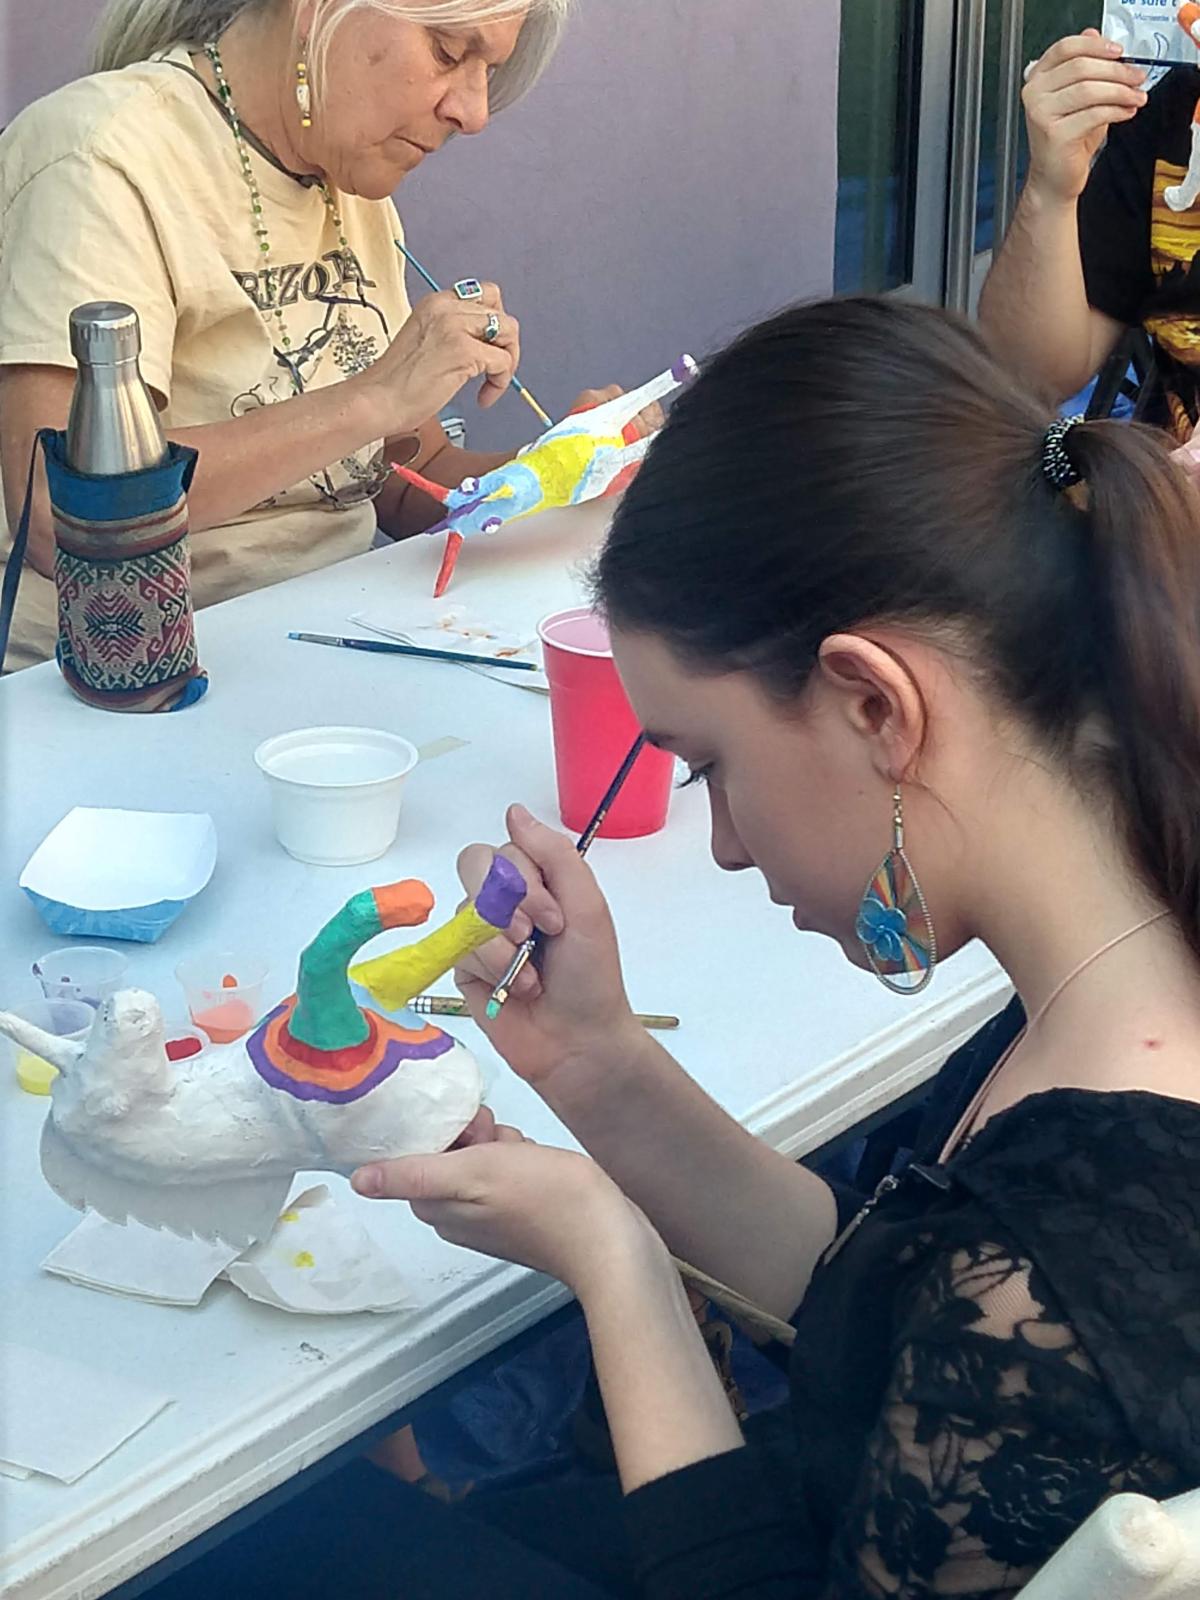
891 613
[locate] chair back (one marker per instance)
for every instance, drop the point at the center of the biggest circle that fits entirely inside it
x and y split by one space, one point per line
1130 1548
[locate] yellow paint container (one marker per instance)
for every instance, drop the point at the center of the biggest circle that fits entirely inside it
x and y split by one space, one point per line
64 1019
33 1074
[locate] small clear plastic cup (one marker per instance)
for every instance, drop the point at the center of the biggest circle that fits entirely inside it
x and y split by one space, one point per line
223 989
64 1019
87 972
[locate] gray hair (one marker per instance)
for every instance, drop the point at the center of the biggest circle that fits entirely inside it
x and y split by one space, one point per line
135 30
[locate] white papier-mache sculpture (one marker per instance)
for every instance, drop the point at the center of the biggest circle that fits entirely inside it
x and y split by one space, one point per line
209 1146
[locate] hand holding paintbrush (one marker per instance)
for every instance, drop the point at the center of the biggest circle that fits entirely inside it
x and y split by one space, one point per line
536 1028
530 948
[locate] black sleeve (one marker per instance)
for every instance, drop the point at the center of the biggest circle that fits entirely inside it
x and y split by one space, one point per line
723 1527
1114 209
995 1440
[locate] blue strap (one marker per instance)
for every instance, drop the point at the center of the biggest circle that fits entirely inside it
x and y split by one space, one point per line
16 557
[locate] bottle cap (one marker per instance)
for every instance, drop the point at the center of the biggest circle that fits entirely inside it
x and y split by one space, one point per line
104 332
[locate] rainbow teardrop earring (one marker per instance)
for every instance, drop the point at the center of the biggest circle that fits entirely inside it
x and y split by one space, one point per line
894 926
303 87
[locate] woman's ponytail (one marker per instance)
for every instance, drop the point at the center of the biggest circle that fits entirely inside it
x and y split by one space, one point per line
1144 557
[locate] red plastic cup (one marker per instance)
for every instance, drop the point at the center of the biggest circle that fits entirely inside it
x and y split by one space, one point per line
594 727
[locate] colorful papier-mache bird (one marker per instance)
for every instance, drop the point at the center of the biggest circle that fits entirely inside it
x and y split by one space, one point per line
589 454
210 1145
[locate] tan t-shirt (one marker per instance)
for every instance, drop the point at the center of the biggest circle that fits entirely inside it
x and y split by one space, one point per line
127 186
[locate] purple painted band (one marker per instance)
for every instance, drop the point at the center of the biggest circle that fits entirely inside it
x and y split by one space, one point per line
502 892
396 1055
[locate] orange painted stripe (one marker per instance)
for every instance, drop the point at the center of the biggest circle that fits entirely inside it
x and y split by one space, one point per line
341 1069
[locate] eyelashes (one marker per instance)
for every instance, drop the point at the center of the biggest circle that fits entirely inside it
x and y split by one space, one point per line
444 56
697 775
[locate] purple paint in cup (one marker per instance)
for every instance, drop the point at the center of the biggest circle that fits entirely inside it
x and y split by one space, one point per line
87 972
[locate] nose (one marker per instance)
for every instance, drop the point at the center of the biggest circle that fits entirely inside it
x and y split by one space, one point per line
728 851
465 103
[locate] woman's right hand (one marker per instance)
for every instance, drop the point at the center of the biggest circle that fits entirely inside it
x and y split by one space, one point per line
439 348
574 1010
1072 96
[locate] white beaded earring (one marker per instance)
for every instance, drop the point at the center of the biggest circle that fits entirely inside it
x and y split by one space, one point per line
303 88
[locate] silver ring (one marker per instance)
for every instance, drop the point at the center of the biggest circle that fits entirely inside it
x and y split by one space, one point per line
469 289
491 328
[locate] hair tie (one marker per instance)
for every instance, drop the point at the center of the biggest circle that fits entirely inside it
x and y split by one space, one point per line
1059 470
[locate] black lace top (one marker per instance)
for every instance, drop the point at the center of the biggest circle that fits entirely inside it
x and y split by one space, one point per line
1003 1342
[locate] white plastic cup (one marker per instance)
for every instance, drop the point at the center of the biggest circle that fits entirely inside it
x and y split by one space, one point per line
335 792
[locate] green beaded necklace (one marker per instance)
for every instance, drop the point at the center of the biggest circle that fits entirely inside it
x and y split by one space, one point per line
257 213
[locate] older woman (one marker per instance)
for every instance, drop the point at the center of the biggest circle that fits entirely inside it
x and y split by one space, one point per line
228 172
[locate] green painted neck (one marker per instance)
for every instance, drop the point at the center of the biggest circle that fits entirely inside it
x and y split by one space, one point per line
326 1016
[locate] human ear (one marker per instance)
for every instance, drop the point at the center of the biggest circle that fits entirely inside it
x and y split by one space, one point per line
875 691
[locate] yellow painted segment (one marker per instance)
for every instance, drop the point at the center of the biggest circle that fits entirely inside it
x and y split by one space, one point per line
561 464
396 978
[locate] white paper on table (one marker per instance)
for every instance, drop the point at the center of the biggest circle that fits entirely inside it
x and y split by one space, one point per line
102 860
437 625
62 1417
320 1259
147 1263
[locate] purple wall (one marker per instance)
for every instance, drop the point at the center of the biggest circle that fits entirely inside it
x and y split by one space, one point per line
671 179
43 43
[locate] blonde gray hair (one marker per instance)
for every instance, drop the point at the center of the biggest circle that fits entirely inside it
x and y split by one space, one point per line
135 30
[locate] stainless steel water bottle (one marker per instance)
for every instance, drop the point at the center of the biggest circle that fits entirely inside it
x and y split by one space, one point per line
118 498
113 427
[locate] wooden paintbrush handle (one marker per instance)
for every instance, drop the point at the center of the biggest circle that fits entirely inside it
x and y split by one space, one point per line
736 1304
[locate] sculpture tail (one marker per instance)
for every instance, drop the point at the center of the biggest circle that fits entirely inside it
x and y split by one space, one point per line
613 416
61 1053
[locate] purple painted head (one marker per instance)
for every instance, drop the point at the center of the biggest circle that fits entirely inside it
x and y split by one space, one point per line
501 893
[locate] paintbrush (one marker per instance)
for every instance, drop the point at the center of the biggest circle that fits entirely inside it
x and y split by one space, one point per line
449 1005
533 944
543 416
384 647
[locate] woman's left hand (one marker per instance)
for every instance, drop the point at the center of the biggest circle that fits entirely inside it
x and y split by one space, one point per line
552 1210
645 423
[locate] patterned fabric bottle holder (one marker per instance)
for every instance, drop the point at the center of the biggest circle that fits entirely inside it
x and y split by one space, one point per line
126 640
